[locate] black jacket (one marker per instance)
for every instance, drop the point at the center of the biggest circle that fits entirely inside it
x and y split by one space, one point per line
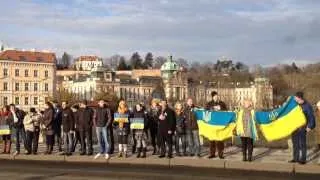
191 120
212 104
57 121
103 117
141 114
67 120
169 123
153 119
85 119
20 115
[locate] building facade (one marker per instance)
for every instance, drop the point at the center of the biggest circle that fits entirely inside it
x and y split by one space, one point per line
87 63
28 78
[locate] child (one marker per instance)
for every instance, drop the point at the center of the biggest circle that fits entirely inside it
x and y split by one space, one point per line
122 119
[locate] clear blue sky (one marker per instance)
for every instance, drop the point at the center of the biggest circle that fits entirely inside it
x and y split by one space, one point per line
253 31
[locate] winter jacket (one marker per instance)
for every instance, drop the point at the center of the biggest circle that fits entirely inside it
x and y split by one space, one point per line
20 116
180 123
168 123
102 117
47 120
67 120
30 121
85 119
57 122
191 121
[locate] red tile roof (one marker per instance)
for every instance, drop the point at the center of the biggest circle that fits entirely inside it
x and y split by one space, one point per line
28 56
88 58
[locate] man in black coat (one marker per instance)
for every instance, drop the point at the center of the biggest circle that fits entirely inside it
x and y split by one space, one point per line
216 105
167 125
57 122
85 124
68 123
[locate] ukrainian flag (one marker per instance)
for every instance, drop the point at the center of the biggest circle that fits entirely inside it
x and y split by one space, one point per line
281 122
215 125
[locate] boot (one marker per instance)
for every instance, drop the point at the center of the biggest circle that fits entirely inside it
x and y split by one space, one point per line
139 153
250 156
50 149
144 153
47 150
244 155
154 151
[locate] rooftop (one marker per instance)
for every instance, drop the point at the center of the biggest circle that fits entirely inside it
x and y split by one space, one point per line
88 58
28 56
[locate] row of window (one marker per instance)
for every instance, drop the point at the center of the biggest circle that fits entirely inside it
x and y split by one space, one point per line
26 87
25 101
134 93
26 73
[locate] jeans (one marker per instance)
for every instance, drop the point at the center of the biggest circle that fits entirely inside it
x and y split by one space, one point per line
29 138
86 141
68 142
183 141
102 136
166 140
193 141
299 140
20 132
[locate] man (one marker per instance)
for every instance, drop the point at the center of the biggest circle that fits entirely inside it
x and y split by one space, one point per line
16 118
167 125
76 138
216 105
153 119
85 122
192 130
68 123
57 122
299 137
102 121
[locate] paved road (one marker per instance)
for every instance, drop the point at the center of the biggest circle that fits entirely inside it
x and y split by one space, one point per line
26 170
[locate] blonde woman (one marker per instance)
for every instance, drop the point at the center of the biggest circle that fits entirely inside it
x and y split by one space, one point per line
123 128
180 130
246 128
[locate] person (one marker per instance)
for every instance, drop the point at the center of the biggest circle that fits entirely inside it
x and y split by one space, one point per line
76 139
102 121
167 126
47 121
246 129
153 118
318 127
123 128
192 129
68 124
180 133
110 130
32 127
16 117
140 134
57 122
216 105
299 137
85 122
4 122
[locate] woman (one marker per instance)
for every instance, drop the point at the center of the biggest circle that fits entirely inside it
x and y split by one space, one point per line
32 126
180 130
140 134
47 121
246 129
122 120
6 128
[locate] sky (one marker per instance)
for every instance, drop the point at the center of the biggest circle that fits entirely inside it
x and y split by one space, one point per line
262 32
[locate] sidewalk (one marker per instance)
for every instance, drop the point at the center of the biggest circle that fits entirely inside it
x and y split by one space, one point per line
270 160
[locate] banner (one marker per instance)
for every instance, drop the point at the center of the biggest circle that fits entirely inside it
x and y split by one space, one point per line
121 118
282 122
136 123
215 125
5 130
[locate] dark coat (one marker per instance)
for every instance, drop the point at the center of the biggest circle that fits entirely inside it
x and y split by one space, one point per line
308 112
47 120
191 120
180 123
126 127
85 119
141 114
212 104
57 121
68 121
20 115
76 120
103 117
169 123
153 119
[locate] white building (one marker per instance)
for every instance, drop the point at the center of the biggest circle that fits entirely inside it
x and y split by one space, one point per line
87 63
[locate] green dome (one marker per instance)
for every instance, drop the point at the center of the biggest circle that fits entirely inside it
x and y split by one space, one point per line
170 65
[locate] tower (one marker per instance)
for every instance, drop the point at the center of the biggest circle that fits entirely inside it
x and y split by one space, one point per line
168 71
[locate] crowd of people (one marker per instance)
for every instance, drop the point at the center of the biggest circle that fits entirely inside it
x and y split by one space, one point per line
163 126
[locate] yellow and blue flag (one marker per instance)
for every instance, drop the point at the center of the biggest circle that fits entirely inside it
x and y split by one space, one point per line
215 125
281 122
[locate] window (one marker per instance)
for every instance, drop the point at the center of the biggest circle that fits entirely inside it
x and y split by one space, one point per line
5 72
35 73
26 86
17 87
35 100
26 100
5 100
17 100
35 86
26 73
16 72
46 74
46 87
5 86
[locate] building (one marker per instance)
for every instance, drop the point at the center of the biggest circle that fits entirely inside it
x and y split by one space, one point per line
87 63
28 78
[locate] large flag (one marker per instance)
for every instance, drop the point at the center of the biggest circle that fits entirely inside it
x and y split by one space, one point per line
281 122
215 125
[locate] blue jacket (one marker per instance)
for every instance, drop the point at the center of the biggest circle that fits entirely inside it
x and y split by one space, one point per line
308 112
